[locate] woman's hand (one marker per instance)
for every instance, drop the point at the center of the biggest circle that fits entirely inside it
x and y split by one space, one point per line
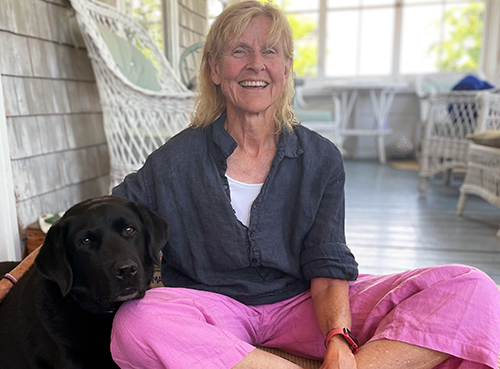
338 355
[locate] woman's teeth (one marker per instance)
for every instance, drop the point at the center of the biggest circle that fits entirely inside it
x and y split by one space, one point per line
253 84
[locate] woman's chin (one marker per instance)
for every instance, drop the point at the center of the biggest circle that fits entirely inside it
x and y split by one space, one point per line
261 111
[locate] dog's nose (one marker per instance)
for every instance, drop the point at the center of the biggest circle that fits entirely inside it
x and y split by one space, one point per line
125 269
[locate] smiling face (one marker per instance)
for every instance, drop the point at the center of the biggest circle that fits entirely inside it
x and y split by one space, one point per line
252 73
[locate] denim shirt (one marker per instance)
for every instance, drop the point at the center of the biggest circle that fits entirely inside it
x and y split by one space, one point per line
296 229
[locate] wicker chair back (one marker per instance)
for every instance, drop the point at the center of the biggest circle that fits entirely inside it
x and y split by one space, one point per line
136 120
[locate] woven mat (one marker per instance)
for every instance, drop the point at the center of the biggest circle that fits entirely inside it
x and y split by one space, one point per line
305 363
412 166
300 361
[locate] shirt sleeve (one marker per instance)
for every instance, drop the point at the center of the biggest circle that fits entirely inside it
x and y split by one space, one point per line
135 187
325 253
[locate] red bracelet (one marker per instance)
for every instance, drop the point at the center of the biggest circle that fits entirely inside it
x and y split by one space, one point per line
351 341
10 277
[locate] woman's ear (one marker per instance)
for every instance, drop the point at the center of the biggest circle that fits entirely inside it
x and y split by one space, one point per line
214 71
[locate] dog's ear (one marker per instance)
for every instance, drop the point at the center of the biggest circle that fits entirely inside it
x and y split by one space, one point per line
156 230
52 261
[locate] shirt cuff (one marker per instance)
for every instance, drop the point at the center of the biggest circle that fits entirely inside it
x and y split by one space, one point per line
330 260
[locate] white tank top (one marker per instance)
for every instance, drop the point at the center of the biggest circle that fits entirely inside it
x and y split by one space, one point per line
242 197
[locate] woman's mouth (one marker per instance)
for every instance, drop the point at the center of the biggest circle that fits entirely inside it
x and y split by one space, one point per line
253 84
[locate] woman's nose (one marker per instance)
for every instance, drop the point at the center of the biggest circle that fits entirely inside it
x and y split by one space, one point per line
256 61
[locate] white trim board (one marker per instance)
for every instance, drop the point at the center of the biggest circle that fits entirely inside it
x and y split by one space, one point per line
10 246
171 32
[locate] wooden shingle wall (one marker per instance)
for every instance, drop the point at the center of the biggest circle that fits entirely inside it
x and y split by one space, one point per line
192 22
57 145
193 29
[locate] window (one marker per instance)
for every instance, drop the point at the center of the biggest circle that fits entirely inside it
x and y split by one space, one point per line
360 38
149 14
214 8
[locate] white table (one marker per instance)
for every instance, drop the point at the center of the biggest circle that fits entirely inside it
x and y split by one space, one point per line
382 96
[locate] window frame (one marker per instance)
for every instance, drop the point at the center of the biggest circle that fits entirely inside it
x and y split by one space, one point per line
489 60
323 11
170 29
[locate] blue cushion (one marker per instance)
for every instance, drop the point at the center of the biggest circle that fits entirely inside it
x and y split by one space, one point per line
468 83
311 115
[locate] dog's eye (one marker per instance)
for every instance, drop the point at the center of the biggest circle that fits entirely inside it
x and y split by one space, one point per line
86 241
129 230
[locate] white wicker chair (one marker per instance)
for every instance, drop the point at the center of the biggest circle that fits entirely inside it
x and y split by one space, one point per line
316 98
189 65
136 120
483 166
447 119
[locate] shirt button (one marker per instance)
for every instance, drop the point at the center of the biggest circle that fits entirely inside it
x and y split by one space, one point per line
251 233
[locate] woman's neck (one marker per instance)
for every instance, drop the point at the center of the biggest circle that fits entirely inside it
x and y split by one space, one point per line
257 144
252 132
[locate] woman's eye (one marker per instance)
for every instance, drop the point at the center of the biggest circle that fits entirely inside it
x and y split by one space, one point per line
86 241
129 230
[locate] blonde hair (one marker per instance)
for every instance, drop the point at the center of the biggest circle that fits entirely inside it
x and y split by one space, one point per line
231 23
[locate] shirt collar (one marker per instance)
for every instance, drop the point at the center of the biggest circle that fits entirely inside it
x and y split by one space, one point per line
222 138
289 145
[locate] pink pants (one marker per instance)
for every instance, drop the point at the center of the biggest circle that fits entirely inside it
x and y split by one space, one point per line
453 309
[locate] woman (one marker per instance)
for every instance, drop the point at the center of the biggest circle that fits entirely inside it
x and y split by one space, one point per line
255 206
256 252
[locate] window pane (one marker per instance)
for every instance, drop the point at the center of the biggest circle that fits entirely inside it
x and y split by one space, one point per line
357 3
214 8
377 33
148 13
377 2
449 2
418 1
343 3
341 43
305 32
296 5
420 35
442 38
463 36
354 54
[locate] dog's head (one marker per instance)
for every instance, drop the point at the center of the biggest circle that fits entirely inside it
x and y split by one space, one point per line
102 252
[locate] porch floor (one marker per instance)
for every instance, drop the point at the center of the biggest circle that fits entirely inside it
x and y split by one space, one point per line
390 229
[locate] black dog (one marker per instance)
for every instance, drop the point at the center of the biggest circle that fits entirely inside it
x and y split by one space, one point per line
59 315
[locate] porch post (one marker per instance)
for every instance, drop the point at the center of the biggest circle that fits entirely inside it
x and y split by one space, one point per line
10 247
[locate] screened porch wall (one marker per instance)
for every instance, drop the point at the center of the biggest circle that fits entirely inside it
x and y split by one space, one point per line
58 150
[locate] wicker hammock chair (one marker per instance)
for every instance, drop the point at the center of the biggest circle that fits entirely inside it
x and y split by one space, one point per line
143 101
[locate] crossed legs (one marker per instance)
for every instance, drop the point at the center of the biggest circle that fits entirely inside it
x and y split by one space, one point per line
181 328
381 354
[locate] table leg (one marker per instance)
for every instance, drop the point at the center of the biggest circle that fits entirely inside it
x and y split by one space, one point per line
381 107
347 106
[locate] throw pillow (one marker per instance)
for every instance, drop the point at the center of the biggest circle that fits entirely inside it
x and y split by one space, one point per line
486 138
